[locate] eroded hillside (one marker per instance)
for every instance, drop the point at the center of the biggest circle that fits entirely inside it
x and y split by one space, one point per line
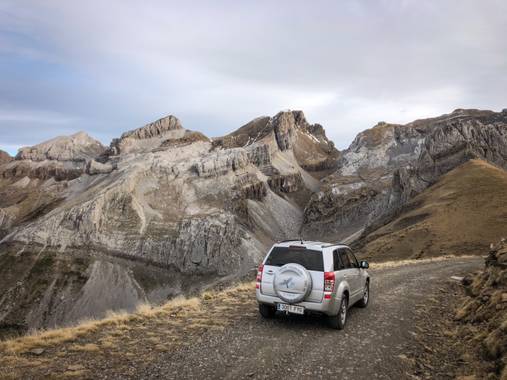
162 211
389 164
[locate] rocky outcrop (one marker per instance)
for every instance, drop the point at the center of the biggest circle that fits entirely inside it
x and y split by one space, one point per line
481 317
4 157
250 133
259 154
62 159
220 162
77 147
149 137
44 170
341 210
188 138
288 183
155 129
397 162
453 140
252 188
284 126
286 131
94 167
382 149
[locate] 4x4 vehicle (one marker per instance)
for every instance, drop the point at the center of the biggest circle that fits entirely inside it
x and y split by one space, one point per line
305 277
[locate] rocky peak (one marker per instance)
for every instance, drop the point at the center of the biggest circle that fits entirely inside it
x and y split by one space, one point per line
392 146
77 147
4 157
284 125
149 137
286 131
157 128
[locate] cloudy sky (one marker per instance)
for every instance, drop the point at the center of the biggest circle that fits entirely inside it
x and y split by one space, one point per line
109 66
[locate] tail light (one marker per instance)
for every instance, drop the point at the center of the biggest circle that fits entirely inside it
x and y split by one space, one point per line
259 276
329 281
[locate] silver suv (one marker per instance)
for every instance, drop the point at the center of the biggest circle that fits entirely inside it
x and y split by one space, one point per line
305 276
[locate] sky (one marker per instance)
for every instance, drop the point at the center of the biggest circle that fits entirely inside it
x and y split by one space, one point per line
106 67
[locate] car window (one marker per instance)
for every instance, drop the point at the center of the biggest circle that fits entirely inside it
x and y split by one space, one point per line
352 259
336 260
309 258
344 258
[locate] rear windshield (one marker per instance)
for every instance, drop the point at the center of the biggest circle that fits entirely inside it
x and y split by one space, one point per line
309 258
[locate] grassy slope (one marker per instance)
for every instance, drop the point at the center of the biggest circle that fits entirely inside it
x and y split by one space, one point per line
123 340
461 214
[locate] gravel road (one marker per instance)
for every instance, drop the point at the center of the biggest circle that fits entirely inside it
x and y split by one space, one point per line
374 344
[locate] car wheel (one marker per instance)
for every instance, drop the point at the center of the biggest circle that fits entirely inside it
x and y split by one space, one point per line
338 321
366 296
267 311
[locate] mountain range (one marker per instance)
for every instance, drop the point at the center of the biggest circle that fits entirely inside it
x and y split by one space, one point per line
164 211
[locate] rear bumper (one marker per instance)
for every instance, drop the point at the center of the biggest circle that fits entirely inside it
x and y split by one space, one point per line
326 306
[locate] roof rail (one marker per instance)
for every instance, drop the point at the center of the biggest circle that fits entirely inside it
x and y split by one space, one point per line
333 244
288 240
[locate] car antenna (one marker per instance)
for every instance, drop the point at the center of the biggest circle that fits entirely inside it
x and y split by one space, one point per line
301 238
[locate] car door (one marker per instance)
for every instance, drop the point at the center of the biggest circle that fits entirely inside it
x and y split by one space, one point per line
338 267
354 279
346 271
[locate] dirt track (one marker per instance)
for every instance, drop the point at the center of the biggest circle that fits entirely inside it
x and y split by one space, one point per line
375 343
401 333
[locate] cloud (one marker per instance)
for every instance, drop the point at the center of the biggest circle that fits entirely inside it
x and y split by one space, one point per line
34 116
106 67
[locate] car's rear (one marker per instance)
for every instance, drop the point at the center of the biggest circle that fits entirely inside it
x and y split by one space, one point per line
293 278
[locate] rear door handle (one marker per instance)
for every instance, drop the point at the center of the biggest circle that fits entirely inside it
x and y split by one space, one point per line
269 272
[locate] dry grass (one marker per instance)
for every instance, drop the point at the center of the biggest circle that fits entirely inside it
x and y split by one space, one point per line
119 321
74 374
461 214
399 263
108 342
90 347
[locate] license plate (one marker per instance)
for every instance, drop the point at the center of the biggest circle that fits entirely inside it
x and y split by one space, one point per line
290 308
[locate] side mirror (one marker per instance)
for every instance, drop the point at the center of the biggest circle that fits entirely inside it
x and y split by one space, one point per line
364 264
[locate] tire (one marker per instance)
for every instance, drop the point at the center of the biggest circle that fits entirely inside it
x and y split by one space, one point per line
339 320
292 283
267 311
366 296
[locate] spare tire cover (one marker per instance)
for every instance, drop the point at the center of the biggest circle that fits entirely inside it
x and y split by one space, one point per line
292 283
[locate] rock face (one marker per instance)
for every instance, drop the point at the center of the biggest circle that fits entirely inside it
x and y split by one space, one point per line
37 179
147 138
61 158
286 131
4 157
389 164
161 205
77 147
221 162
